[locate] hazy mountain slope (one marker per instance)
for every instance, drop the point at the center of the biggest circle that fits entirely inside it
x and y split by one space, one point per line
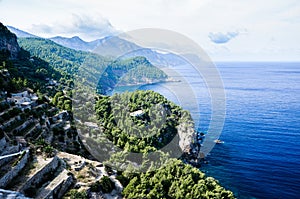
111 46
75 43
20 33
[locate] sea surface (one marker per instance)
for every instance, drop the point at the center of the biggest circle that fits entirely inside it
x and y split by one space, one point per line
260 156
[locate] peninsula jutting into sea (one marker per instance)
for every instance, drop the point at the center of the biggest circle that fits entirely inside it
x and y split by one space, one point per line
149 99
42 155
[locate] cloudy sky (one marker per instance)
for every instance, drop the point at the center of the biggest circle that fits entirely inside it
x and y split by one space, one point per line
231 30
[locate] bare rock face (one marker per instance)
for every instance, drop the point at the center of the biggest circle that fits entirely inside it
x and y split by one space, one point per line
8 42
186 134
11 194
187 142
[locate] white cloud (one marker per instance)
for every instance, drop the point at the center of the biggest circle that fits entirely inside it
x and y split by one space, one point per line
193 18
221 38
87 27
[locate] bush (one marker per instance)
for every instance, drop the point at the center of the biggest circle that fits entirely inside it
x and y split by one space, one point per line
106 184
95 187
175 180
123 180
74 194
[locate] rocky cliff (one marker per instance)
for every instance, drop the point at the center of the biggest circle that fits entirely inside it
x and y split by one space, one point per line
188 144
8 42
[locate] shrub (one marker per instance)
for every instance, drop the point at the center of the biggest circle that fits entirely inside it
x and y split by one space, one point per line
74 194
106 184
95 187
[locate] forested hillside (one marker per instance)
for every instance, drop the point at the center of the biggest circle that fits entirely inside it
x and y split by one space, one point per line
43 129
144 122
19 69
175 180
104 72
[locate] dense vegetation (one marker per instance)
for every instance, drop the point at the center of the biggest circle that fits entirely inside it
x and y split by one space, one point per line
62 59
25 71
151 130
143 122
175 180
93 69
140 122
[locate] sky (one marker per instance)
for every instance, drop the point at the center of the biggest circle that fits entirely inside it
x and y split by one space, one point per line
231 30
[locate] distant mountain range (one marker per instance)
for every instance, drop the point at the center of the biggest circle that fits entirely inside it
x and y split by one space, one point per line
112 46
20 33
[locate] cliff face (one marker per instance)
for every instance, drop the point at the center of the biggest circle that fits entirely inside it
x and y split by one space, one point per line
8 42
187 142
186 134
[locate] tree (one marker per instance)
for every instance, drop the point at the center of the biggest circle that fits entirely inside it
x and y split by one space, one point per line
106 184
175 180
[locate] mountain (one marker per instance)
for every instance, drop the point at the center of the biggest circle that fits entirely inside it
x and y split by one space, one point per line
18 69
41 136
8 42
108 46
20 33
96 69
114 46
75 43
111 46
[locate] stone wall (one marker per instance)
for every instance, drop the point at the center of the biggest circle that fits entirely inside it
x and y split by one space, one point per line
38 176
8 177
24 125
2 144
11 194
8 150
59 186
11 150
30 132
8 123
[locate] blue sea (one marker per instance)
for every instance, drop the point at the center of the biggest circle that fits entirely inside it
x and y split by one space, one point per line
260 156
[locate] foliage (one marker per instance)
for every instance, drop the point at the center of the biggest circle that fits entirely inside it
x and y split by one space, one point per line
25 71
95 187
75 194
159 119
175 180
106 184
62 59
45 147
62 101
90 68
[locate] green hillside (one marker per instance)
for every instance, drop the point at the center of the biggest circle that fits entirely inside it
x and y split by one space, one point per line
102 72
140 122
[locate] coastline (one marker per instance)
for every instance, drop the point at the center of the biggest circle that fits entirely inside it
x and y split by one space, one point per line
168 80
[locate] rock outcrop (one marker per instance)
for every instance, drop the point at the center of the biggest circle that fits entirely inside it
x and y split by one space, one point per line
8 42
9 176
11 194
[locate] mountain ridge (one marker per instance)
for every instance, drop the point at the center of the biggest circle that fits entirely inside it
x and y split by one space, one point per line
20 33
8 42
112 46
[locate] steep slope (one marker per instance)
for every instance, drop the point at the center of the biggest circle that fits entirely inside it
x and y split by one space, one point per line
113 46
103 72
110 46
75 43
20 33
17 68
8 42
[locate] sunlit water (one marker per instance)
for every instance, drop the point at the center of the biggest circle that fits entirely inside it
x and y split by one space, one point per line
261 154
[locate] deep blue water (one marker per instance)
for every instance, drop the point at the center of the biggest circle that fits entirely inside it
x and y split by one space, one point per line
261 154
